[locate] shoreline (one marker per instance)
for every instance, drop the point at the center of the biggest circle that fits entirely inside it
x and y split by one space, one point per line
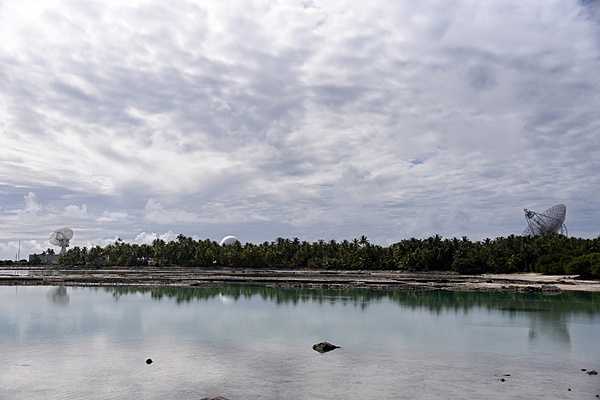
197 277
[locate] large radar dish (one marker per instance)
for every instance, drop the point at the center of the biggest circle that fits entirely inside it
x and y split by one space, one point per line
67 233
550 221
53 240
61 237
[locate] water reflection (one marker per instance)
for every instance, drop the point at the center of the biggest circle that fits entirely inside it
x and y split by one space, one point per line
547 314
512 304
255 342
554 326
59 296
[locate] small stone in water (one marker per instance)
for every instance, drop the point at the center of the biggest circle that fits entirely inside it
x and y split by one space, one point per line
324 347
148 361
569 389
502 380
592 372
583 369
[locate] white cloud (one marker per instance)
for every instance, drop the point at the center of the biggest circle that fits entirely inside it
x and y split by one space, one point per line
9 250
112 216
156 213
149 237
32 204
386 118
75 211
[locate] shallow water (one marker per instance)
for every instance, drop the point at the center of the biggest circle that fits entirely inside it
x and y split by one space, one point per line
255 343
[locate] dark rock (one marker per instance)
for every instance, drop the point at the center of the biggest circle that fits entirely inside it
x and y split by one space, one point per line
148 361
532 289
502 380
569 389
583 369
550 288
324 347
506 375
592 372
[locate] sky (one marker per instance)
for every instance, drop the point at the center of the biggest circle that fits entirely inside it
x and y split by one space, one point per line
311 119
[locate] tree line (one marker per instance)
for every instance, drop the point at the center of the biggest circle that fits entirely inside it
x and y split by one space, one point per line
550 254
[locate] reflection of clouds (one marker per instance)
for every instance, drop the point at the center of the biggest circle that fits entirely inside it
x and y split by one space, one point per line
258 347
226 299
59 296
98 367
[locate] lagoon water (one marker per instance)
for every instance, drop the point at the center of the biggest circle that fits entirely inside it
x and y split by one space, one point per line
255 343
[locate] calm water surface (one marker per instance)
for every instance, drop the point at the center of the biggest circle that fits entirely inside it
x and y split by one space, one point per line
255 343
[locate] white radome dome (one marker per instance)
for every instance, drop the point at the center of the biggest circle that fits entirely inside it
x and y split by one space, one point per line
229 240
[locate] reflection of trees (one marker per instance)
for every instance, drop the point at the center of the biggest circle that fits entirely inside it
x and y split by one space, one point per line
550 324
59 295
551 306
547 314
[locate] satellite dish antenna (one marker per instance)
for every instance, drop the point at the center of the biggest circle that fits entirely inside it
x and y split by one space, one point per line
229 240
550 221
61 237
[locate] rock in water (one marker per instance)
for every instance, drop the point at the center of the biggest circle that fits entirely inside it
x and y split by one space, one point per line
324 347
148 361
592 372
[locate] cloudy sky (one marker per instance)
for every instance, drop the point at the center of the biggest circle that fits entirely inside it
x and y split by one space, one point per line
317 119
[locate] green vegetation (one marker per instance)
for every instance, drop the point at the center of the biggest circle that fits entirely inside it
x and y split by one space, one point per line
9 263
551 254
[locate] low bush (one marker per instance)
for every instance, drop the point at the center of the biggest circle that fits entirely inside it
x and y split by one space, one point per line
586 266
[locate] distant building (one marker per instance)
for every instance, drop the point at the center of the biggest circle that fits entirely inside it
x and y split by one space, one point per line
44 258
